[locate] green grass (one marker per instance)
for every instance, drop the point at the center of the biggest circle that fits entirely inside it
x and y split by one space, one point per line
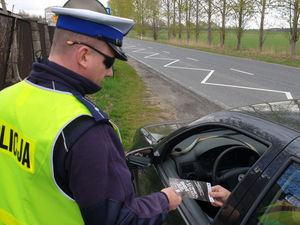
276 47
122 99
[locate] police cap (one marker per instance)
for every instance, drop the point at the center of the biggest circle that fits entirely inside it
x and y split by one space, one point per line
110 29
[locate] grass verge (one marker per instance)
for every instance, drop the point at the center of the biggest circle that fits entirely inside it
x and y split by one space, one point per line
122 98
282 58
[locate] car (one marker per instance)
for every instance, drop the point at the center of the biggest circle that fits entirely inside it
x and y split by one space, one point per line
253 151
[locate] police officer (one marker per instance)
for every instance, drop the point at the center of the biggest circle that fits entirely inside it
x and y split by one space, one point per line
61 159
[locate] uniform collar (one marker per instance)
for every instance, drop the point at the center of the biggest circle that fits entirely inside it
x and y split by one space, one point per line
46 71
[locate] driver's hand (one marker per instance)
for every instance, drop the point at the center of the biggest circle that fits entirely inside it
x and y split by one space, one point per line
219 194
173 197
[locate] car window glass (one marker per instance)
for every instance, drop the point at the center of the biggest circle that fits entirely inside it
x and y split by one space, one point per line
281 205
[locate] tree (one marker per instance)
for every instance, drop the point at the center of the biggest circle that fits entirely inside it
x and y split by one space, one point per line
262 18
154 6
174 18
141 15
167 13
188 8
209 13
290 9
224 8
122 8
262 6
208 9
180 6
243 10
197 20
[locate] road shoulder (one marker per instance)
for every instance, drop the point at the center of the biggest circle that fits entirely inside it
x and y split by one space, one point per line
175 101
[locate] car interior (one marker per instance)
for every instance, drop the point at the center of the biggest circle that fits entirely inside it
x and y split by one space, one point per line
217 155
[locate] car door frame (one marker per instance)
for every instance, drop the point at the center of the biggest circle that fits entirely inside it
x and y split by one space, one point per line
281 162
188 204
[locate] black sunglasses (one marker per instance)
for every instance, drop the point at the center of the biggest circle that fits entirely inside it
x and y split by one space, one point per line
108 61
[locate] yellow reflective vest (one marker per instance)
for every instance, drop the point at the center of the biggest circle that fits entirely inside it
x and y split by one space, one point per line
31 120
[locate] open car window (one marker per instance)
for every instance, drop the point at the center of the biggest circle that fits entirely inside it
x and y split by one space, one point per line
218 155
195 155
281 206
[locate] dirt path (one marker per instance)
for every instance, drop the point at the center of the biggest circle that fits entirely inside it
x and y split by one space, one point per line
176 101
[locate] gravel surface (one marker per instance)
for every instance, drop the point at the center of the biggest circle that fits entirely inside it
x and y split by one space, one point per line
177 102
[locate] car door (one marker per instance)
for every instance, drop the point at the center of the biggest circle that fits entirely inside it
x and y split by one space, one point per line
200 146
146 180
275 195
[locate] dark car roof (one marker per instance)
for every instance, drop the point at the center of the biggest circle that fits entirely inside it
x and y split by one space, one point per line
276 123
285 113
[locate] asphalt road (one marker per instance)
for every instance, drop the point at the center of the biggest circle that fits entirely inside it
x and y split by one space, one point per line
225 80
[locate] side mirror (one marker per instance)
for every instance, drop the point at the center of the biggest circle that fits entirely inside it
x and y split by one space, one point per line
140 158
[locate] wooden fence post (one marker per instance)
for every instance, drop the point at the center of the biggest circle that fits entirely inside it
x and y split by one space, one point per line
5 54
47 39
14 55
36 43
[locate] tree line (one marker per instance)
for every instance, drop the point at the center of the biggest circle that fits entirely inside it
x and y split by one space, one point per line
179 16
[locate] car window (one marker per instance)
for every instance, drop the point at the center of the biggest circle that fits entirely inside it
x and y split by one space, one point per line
214 154
281 205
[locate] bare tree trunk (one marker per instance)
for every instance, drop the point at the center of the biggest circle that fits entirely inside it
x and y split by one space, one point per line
239 39
169 15
174 19
294 31
240 29
197 20
189 16
261 28
293 48
154 9
223 24
209 23
187 20
154 27
154 32
180 30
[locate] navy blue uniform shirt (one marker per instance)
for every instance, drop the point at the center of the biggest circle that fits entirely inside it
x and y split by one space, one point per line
94 171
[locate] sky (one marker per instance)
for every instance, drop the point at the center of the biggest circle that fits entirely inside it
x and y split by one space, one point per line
36 7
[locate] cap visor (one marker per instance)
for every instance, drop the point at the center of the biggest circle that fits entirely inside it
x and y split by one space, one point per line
119 53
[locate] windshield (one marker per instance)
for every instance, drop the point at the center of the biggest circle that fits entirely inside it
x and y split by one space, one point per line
286 113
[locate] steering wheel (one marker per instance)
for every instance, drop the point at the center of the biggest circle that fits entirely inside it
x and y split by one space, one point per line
234 173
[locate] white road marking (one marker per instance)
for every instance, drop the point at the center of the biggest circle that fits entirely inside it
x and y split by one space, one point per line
204 81
148 56
187 68
207 77
130 46
196 60
150 47
166 52
167 65
240 71
141 49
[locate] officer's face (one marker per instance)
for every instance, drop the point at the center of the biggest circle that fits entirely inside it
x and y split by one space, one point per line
99 70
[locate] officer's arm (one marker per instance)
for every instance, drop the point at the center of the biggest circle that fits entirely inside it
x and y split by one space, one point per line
101 183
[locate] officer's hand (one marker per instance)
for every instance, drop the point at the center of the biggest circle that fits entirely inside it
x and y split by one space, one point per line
174 199
219 194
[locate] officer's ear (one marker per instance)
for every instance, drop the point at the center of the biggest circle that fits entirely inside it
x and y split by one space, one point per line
83 56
